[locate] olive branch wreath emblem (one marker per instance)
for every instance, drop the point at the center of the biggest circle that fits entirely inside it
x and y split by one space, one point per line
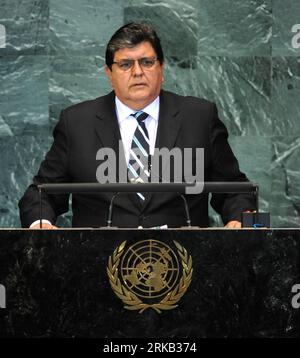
132 301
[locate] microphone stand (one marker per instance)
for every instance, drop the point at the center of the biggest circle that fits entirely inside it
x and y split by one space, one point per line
111 204
187 211
110 210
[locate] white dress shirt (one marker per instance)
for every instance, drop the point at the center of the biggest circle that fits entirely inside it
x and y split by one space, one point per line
128 124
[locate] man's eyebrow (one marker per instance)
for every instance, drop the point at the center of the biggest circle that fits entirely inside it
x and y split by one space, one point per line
124 59
132 59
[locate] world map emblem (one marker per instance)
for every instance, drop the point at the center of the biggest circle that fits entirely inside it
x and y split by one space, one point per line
150 274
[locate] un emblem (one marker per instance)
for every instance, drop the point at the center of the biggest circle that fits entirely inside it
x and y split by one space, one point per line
149 274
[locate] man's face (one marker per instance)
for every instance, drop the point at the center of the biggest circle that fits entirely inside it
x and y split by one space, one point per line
138 86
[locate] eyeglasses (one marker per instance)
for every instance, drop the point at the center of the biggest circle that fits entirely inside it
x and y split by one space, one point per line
144 62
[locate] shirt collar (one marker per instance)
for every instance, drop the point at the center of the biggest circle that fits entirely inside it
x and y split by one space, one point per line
123 112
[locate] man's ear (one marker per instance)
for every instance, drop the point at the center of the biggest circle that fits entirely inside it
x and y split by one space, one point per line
108 71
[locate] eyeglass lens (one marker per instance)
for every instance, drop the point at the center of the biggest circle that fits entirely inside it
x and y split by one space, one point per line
145 62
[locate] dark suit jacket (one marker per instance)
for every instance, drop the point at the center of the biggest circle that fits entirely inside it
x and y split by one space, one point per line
86 127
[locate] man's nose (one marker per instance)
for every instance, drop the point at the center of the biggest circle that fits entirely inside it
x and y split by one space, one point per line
137 68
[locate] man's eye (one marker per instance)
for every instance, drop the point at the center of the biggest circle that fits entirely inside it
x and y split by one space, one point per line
147 62
125 65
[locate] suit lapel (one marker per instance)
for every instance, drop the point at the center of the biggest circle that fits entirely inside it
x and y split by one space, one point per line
107 127
168 124
108 132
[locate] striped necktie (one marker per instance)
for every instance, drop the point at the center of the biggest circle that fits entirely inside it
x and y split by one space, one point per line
138 167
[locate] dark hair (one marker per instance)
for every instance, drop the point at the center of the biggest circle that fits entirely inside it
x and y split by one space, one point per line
129 36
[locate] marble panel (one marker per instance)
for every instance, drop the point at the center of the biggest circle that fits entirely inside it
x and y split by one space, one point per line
239 86
285 109
234 28
20 160
27 26
23 94
83 26
285 202
74 79
175 23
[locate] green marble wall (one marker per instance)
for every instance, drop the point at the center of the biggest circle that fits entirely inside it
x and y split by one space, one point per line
237 53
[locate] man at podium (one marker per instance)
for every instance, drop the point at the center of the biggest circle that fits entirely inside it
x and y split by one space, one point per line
143 117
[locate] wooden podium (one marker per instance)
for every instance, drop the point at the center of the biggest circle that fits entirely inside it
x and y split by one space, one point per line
76 283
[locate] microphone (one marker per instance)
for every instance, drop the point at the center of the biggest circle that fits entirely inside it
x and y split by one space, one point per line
110 209
186 209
